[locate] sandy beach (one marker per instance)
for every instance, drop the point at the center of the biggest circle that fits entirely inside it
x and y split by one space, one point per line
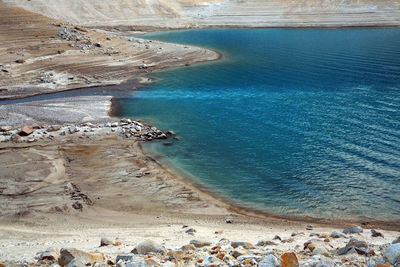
72 174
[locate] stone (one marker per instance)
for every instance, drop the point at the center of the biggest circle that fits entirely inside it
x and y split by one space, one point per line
53 128
228 220
353 230
269 261
289 259
78 206
16 138
264 243
239 252
114 124
147 247
396 241
336 234
188 247
277 237
199 244
162 136
190 230
31 140
245 245
357 243
50 254
385 264
309 227
297 233
80 257
72 129
343 251
104 241
20 61
5 128
375 233
354 245
392 254
320 251
325 262
127 257
26 130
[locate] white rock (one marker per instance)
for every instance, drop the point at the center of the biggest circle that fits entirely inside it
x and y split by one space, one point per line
269 261
392 254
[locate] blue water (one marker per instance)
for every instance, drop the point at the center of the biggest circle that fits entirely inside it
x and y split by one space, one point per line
290 122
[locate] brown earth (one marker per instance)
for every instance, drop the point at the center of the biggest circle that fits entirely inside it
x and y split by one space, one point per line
34 59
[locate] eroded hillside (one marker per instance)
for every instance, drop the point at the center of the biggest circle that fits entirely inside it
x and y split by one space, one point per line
198 13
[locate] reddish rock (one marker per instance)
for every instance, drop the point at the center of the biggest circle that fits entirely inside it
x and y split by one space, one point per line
26 130
289 260
386 264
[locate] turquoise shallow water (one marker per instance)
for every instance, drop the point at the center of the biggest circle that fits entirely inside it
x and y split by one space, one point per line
289 122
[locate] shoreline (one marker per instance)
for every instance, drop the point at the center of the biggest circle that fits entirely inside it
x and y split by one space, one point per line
237 208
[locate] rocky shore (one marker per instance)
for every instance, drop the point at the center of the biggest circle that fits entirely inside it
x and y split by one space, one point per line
124 127
353 246
182 232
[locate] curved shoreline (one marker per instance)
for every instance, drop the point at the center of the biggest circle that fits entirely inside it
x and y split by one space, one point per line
237 208
254 212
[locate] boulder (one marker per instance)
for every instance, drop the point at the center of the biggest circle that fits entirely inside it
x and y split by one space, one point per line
199 244
353 230
309 227
269 261
80 258
289 259
392 254
26 130
357 243
337 234
354 245
51 254
147 247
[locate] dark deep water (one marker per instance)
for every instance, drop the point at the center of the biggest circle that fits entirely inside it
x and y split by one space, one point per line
290 122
